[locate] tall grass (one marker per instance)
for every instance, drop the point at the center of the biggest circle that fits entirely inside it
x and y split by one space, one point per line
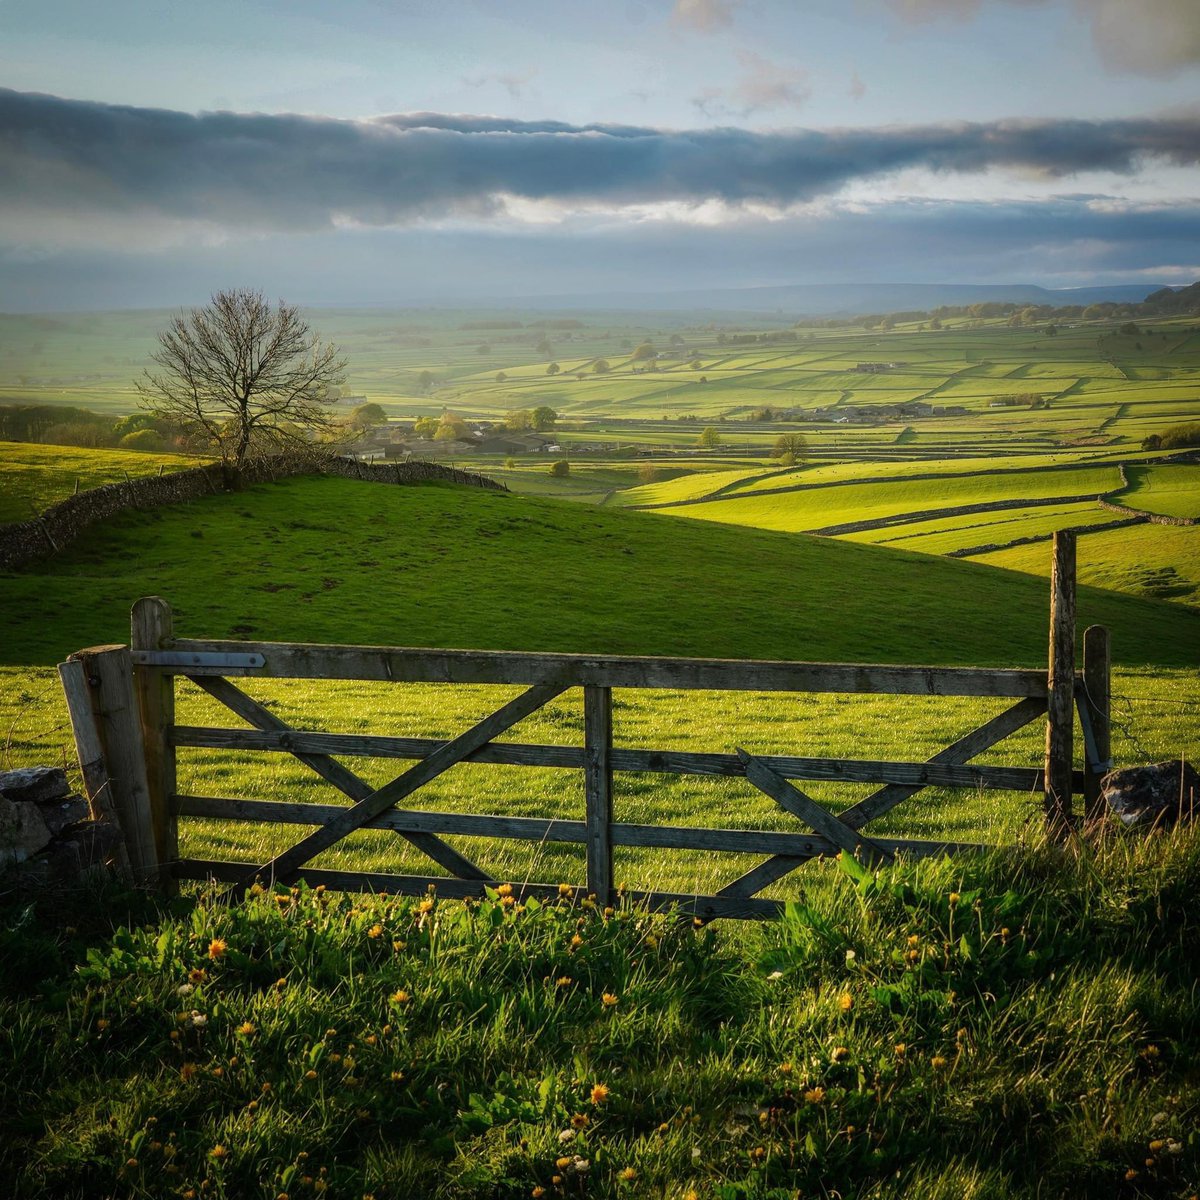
1018 1025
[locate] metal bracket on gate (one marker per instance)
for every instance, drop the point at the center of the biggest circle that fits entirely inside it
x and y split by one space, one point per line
186 662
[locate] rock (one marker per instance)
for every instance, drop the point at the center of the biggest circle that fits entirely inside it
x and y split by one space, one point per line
22 832
1159 794
58 814
35 783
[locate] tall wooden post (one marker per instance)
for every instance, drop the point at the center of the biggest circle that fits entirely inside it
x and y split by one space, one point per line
108 671
90 751
152 628
597 786
1060 682
1097 703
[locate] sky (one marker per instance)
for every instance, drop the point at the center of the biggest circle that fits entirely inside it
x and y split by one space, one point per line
453 151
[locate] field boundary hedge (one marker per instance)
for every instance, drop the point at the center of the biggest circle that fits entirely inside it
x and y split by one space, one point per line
65 522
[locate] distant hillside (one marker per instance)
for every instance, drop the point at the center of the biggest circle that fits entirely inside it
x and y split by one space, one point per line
831 299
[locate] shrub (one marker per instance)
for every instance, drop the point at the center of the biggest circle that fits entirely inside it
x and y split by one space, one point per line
141 439
560 469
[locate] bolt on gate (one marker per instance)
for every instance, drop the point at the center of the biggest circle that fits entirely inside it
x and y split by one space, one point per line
122 706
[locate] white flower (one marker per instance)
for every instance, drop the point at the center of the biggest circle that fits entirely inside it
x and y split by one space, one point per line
580 1165
1158 1118
185 989
850 957
695 1154
199 1020
566 1135
775 975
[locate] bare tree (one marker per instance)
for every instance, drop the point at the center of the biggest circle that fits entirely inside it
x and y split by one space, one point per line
244 377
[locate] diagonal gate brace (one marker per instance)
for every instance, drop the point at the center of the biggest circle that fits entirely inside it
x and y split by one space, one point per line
884 800
342 778
284 866
793 800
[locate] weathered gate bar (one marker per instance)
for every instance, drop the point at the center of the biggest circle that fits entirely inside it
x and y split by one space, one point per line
665 762
549 829
388 664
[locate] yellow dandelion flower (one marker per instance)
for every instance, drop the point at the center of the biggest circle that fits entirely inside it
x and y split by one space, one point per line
563 981
610 999
580 1121
627 1174
199 974
400 996
426 905
376 931
954 897
937 1062
280 984
846 1002
246 1028
562 1163
397 1076
556 1180
218 1152
599 1093
505 889
217 948
538 1192
840 1054
900 1049
651 941
576 942
565 890
102 1024
219 1072
785 1068
310 1074
814 1095
507 902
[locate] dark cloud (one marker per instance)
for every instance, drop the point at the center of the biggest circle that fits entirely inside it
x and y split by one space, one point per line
255 171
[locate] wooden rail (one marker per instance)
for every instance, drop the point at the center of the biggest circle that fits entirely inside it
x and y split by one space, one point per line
139 752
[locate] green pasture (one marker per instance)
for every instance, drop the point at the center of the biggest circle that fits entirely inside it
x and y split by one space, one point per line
1145 560
33 477
323 559
1170 489
796 511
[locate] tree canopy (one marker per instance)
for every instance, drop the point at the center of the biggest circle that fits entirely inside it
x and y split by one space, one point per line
243 377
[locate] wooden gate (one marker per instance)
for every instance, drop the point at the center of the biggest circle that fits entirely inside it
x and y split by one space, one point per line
122 702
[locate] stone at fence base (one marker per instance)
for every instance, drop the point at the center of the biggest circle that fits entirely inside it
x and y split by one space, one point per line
58 814
38 784
23 832
1156 795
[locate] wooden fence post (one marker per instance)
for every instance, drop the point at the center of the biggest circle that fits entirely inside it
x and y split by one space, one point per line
109 675
90 752
597 785
1060 682
1097 699
152 628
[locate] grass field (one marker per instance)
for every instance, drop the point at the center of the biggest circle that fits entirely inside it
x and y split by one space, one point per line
33 477
339 561
1010 1025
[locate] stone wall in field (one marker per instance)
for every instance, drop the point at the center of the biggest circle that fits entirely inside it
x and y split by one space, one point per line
63 523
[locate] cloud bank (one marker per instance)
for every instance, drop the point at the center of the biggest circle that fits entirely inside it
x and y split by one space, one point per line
287 172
